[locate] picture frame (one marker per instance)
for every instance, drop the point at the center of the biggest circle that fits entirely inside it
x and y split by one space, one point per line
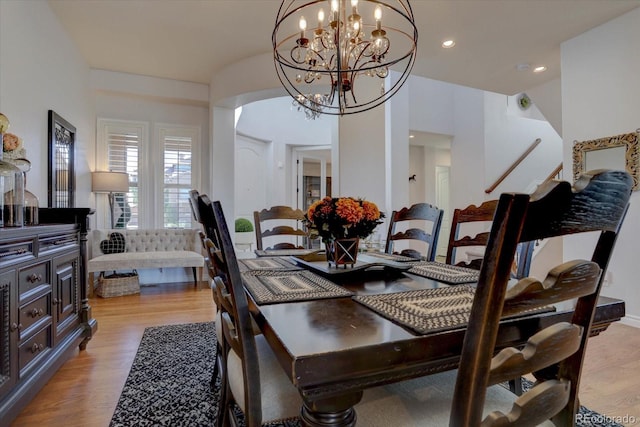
618 152
62 177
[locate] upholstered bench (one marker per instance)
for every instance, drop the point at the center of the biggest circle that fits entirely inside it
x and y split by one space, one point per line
156 248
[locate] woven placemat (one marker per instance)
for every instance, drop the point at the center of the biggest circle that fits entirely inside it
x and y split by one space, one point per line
424 311
446 273
393 257
283 252
267 263
269 287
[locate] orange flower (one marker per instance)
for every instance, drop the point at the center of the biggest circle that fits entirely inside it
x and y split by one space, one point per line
349 210
342 217
312 208
371 211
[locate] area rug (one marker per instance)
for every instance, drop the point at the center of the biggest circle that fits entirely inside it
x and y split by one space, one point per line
169 382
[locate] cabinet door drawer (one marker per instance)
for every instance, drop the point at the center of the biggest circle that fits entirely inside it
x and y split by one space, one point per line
56 242
34 349
33 277
34 313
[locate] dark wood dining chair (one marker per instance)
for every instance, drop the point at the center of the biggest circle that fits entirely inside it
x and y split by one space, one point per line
481 218
429 216
193 203
217 269
286 223
554 354
255 380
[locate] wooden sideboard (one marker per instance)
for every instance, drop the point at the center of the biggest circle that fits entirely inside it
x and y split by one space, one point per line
44 310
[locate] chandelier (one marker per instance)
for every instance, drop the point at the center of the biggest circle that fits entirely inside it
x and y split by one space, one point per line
322 65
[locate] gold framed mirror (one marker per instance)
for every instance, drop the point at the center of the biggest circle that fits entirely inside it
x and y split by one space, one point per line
618 152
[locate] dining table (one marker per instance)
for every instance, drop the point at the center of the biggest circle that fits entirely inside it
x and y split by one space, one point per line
329 330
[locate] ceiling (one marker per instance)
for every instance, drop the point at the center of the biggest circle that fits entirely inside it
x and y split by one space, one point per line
190 40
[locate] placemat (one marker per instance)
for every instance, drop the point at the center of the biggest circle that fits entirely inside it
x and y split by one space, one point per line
445 272
284 252
393 257
266 263
430 310
269 287
424 311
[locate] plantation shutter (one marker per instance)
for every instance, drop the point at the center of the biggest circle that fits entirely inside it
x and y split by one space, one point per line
177 179
123 149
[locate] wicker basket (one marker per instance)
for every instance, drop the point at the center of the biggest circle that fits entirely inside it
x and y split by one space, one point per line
118 284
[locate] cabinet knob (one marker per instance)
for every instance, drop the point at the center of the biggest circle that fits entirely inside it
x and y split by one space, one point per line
55 301
36 312
16 327
36 347
33 278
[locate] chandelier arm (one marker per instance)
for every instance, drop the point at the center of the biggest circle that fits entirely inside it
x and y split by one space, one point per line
337 51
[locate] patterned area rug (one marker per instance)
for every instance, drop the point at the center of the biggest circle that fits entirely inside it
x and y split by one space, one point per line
169 382
268 287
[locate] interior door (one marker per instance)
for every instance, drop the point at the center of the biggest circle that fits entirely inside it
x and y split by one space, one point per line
250 178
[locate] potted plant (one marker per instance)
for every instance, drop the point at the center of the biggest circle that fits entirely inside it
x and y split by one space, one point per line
244 232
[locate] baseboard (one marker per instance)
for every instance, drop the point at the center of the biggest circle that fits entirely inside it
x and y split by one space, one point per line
631 321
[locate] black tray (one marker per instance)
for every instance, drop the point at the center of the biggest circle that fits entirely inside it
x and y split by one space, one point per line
317 262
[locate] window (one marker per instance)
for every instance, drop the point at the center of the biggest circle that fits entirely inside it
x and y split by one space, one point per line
178 146
161 172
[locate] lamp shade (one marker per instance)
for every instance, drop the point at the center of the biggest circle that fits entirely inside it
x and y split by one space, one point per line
109 182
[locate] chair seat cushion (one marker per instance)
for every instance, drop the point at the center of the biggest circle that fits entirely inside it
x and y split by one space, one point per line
280 399
422 402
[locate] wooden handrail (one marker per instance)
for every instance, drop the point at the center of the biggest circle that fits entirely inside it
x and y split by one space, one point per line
553 174
513 166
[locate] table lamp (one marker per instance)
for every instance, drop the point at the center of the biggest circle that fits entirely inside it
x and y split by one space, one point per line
110 182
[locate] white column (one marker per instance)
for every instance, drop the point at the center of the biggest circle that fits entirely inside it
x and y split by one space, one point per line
222 161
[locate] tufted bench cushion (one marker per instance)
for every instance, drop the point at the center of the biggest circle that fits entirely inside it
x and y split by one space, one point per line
153 248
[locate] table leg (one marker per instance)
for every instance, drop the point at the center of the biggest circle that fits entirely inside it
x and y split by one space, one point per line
335 411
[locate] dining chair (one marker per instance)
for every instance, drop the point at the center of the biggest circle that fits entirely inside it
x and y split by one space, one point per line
479 219
255 380
430 218
217 269
280 219
553 355
193 203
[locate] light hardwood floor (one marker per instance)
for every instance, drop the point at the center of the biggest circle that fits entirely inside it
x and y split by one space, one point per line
85 390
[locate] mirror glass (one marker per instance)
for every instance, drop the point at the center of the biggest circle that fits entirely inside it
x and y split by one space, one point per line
62 178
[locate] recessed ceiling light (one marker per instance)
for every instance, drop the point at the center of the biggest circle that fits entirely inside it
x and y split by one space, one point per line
411 136
448 44
540 69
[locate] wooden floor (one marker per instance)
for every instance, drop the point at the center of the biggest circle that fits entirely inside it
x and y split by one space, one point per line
85 391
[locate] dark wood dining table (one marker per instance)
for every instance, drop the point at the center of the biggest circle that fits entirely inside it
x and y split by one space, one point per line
333 349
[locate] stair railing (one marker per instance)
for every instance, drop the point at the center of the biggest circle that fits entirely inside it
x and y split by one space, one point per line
513 166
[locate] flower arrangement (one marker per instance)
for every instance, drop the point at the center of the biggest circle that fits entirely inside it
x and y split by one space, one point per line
11 142
342 218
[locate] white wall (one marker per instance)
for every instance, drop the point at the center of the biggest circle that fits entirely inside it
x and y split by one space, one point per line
41 70
600 92
509 132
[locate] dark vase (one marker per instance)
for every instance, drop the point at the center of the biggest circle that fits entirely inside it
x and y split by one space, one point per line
342 251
